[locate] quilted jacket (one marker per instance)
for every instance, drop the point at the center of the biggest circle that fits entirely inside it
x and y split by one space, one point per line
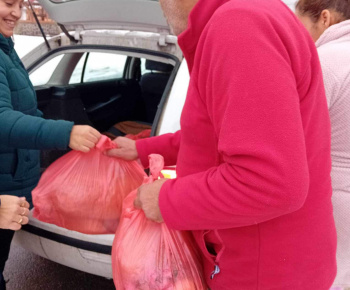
23 131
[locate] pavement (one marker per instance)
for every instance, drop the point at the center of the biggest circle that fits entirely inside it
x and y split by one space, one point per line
27 271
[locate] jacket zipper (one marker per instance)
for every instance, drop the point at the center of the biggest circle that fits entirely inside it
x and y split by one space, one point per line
215 272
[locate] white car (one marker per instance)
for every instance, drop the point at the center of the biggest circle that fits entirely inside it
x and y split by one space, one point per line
118 62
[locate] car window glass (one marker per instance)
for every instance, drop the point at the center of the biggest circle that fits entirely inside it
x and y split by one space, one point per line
43 74
104 66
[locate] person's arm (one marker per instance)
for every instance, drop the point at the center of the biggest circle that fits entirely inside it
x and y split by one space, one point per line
166 145
32 132
249 87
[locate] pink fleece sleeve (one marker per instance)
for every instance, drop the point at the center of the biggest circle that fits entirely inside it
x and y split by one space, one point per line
249 87
166 145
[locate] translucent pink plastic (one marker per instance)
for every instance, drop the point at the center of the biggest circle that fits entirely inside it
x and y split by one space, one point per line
147 255
84 192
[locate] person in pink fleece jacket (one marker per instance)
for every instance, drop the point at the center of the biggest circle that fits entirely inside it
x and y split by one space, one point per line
253 154
329 25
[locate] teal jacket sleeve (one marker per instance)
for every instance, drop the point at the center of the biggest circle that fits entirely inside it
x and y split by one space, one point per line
29 131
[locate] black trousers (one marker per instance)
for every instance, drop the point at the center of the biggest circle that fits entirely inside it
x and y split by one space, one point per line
5 243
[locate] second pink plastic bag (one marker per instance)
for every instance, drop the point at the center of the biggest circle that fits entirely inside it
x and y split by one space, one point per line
147 255
84 192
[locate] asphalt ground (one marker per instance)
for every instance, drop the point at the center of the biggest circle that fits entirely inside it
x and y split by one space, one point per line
27 271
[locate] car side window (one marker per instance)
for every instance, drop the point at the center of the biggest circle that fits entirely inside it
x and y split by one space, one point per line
42 75
98 66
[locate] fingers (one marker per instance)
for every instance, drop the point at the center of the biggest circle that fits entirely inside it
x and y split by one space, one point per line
17 224
123 142
114 152
88 144
93 135
14 212
119 141
91 141
23 202
84 149
20 215
96 134
126 149
83 138
147 201
23 220
20 219
22 211
14 226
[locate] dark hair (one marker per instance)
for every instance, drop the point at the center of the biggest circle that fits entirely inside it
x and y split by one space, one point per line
313 8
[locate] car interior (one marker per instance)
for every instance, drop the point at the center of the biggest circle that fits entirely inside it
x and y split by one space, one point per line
115 105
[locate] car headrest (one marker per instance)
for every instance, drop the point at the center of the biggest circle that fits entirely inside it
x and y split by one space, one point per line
158 66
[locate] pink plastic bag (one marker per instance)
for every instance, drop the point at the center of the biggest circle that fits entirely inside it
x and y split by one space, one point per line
147 255
84 192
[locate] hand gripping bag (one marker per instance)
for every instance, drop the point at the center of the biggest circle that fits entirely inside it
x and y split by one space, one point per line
84 192
147 255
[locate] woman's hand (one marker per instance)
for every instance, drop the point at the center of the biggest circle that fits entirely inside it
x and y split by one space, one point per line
83 138
13 212
126 149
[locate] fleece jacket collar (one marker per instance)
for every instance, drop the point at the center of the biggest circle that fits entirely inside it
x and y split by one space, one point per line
198 19
336 32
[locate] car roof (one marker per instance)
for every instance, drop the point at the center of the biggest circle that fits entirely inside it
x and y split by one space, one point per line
134 15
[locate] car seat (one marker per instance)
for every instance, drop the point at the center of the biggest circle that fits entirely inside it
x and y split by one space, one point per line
65 104
153 85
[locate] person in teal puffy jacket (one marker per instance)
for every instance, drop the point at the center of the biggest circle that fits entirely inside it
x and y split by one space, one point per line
23 132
